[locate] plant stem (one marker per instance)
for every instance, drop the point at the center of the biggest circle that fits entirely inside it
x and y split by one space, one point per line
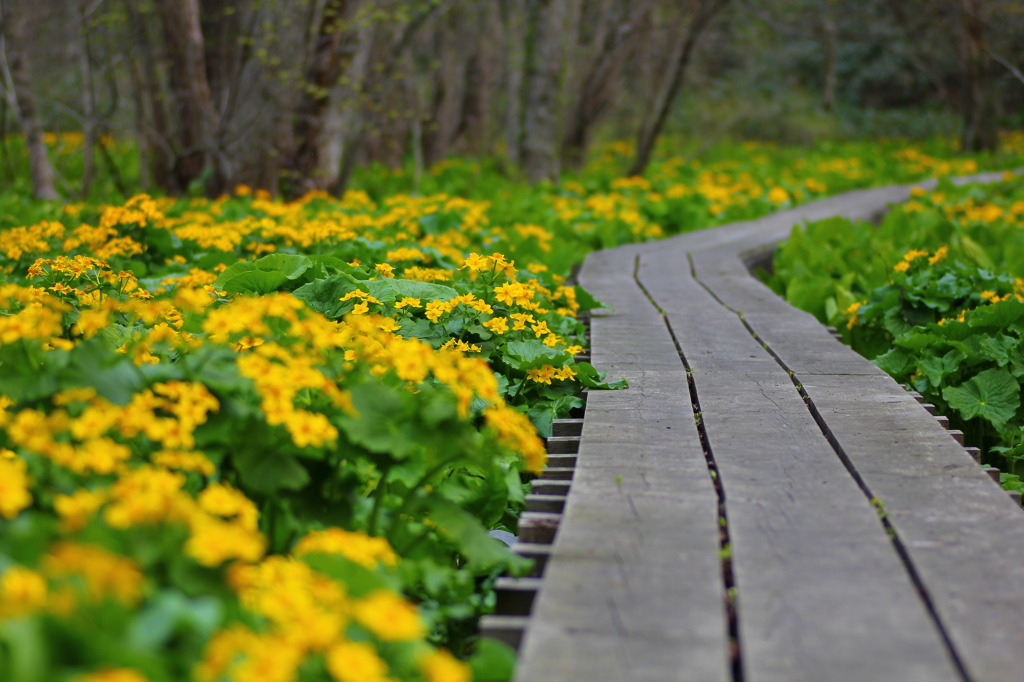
378 501
411 499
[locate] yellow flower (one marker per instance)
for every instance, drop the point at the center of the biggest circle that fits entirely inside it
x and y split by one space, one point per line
385 269
542 375
76 509
358 547
22 591
212 542
183 460
307 608
409 302
441 666
105 574
940 254
516 432
112 675
389 617
226 502
356 662
497 325
14 487
435 309
475 262
309 429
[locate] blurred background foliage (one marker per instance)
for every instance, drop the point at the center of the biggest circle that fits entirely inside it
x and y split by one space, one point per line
294 95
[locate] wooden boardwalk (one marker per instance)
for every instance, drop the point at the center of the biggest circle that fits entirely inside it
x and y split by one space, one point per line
762 504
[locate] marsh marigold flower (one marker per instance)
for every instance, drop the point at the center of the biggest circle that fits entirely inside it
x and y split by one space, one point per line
21 591
358 547
14 487
112 675
441 666
356 662
389 617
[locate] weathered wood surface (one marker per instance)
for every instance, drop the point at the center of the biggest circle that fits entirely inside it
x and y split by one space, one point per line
822 592
633 587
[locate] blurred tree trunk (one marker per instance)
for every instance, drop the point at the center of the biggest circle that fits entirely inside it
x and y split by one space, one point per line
197 152
699 13
378 112
151 117
482 89
327 62
90 120
980 131
545 58
612 40
829 40
14 15
513 22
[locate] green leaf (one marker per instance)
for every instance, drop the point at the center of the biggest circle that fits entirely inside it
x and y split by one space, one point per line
94 364
993 395
269 471
26 647
591 378
493 661
936 369
533 353
324 295
998 316
356 578
379 424
481 551
1000 348
390 290
896 361
586 301
976 251
263 275
169 614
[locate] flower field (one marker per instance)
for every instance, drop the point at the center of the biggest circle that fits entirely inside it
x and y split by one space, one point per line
244 439
935 296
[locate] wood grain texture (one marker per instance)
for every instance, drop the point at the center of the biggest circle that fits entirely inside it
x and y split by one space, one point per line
632 587
806 543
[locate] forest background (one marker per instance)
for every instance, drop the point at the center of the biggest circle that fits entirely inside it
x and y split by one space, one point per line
293 95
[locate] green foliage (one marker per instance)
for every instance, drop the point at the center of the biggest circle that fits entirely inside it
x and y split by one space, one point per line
933 296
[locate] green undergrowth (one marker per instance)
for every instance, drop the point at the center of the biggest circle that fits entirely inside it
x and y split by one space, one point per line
933 295
240 432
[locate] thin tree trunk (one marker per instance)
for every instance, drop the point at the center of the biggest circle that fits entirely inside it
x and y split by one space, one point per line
980 132
20 83
197 118
151 118
829 39
326 65
513 14
545 56
615 42
702 11
88 103
382 74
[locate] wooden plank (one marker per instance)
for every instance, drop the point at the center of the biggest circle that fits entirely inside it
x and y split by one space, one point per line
806 543
962 533
633 589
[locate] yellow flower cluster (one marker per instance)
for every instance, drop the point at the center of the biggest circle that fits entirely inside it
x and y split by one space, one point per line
357 547
908 258
309 615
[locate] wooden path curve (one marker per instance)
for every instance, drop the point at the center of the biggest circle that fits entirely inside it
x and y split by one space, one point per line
762 504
